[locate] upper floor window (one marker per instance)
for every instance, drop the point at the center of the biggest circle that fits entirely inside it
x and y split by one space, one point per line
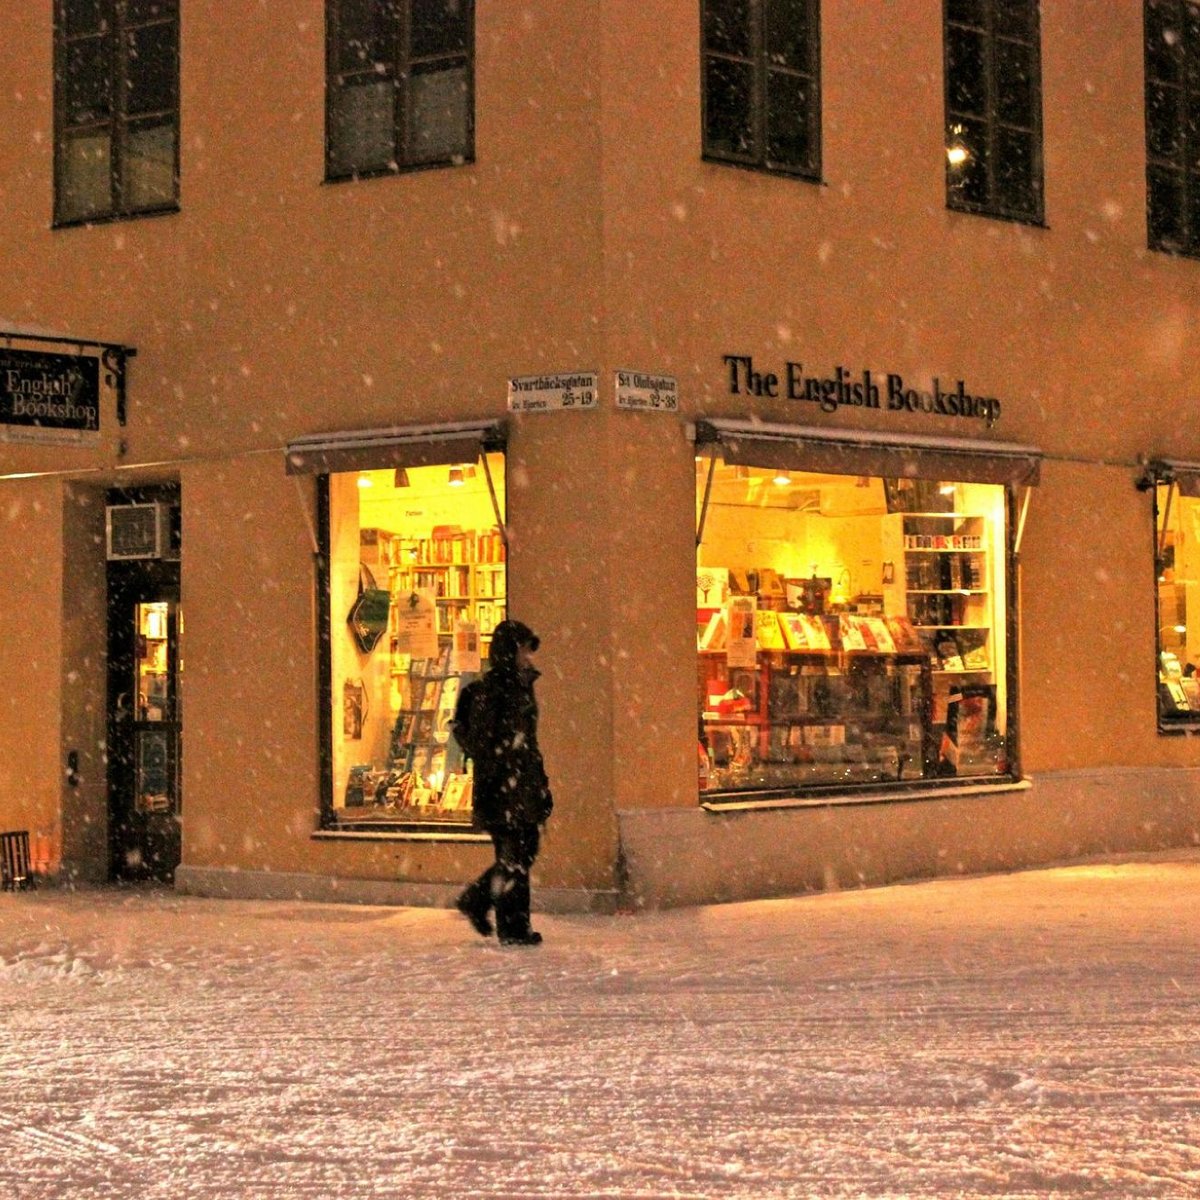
762 84
116 104
400 85
1172 30
993 108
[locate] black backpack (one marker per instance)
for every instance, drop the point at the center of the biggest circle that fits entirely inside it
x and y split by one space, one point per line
469 725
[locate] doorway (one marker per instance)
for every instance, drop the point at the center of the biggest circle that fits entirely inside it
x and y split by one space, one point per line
145 718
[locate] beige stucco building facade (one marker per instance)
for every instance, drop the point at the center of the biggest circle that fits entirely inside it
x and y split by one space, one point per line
589 235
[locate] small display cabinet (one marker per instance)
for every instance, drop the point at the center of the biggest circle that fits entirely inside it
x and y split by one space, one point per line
816 718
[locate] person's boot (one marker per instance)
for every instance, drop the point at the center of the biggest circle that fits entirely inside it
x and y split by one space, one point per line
529 937
474 904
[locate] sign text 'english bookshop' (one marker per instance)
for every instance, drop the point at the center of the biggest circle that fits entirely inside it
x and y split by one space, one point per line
847 389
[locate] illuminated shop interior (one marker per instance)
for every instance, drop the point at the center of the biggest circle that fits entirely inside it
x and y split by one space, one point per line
430 537
851 630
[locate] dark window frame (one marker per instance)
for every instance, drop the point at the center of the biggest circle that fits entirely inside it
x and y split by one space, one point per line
113 38
991 121
1172 93
398 68
759 60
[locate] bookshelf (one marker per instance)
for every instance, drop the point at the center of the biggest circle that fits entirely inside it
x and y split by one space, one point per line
464 572
941 582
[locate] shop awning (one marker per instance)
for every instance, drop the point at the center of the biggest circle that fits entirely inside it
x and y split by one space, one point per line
841 452
396 446
1184 475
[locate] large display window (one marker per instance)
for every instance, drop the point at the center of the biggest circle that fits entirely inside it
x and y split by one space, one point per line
1177 552
414 584
853 630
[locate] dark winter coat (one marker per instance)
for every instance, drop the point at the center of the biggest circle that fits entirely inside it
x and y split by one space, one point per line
511 788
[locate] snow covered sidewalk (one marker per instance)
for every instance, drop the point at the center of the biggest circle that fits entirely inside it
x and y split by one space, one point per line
1016 1036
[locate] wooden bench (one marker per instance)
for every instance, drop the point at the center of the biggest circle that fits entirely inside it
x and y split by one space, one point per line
15 873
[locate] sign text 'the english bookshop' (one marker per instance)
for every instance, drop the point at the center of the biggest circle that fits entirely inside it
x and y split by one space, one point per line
846 389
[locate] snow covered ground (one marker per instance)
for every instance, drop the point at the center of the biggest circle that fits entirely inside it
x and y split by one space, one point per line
1017 1036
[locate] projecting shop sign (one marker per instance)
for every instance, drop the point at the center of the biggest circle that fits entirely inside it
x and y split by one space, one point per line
49 397
547 393
639 390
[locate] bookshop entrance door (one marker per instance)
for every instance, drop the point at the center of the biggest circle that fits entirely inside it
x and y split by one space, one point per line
144 719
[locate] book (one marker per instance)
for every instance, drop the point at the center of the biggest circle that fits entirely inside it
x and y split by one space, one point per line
769 583
457 792
866 632
818 636
884 642
850 634
767 632
795 633
716 633
948 654
904 635
972 647
712 586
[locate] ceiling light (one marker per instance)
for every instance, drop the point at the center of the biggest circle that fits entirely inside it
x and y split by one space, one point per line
456 477
782 478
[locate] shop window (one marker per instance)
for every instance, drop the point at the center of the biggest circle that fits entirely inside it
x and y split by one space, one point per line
762 84
1177 521
416 584
852 631
399 85
1172 31
116 76
993 108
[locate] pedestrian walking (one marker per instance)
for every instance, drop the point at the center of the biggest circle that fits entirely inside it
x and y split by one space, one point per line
496 724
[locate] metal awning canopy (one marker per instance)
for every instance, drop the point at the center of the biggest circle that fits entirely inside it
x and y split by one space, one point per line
394 446
844 452
402 446
1184 475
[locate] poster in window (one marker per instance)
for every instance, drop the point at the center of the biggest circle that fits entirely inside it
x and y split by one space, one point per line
416 625
741 648
352 710
466 647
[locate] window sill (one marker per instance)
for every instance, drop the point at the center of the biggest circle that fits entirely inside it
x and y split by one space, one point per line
166 210
845 799
1036 221
398 170
380 833
803 174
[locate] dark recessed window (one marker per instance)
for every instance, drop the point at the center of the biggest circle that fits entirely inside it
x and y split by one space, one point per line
1173 126
762 84
400 85
993 108
116 103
